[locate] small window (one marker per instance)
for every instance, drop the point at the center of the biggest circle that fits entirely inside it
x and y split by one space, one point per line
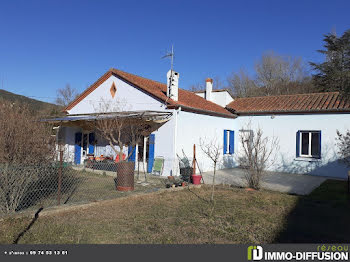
113 90
229 141
309 144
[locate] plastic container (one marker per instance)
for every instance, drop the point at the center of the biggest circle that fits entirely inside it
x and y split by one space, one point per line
196 179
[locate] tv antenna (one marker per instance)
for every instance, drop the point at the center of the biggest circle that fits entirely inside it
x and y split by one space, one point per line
171 55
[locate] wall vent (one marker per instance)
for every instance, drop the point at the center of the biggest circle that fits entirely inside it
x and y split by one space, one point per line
113 90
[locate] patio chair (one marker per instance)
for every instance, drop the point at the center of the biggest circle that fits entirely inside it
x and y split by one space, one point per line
158 166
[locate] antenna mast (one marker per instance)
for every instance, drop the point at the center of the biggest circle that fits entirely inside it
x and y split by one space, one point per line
171 54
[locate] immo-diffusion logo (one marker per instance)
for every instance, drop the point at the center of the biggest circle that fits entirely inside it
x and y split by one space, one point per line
332 253
255 253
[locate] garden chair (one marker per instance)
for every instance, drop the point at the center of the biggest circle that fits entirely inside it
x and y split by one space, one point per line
158 166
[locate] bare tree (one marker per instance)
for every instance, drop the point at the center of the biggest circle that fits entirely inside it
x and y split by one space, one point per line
256 154
23 138
121 132
343 143
119 129
25 144
218 83
241 84
213 150
197 87
275 73
66 95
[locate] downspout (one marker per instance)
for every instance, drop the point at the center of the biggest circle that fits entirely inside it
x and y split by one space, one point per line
175 166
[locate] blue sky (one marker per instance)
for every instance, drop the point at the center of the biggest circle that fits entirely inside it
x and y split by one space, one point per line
46 44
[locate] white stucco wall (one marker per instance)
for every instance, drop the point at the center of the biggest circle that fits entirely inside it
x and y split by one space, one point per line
165 146
185 129
127 98
222 98
193 127
285 127
69 138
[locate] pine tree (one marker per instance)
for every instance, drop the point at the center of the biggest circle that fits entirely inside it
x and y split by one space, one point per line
334 73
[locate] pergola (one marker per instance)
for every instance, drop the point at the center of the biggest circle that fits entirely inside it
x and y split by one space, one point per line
147 121
154 119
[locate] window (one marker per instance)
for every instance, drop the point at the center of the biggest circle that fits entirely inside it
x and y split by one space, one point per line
309 144
247 135
229 142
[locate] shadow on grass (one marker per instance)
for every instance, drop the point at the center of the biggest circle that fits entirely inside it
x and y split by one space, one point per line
322 216
45 187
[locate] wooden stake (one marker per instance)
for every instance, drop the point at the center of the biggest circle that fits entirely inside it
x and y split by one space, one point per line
194 160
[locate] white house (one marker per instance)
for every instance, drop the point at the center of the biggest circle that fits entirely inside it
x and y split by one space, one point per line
193 118
305 124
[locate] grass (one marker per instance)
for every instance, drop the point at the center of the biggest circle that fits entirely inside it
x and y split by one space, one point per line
83 187
174 217
323 216
94 186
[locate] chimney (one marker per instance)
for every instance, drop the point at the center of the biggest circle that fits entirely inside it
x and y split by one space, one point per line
172 85
208 88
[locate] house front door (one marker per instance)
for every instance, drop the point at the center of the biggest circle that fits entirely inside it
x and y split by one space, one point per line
83 146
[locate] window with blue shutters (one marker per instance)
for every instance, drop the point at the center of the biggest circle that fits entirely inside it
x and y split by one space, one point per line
229 142
308 144
77 147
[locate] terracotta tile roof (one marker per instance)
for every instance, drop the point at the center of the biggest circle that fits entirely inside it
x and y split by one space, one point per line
301 103
188 100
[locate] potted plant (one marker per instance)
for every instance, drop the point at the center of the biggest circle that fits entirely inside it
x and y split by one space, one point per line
122 132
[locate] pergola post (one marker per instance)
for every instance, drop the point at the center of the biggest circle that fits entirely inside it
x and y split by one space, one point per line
144 153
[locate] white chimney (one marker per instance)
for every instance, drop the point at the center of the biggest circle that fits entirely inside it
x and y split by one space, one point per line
172 85
208 88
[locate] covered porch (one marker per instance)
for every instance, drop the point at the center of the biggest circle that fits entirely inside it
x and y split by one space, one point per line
83 145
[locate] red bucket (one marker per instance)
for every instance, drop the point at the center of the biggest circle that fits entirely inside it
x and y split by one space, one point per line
196 179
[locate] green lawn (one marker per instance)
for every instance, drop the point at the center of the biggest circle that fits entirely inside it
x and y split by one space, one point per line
183 216
323 216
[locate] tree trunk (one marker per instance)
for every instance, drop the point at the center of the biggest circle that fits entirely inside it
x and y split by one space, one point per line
213 186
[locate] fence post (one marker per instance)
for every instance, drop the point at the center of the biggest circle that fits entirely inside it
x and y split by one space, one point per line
60 178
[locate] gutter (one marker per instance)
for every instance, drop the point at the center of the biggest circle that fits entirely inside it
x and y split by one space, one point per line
291 112
201 111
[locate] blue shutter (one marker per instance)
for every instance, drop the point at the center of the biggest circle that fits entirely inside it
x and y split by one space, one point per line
225 141
133 154
297 144
91 143
232 142
150 153
77 147
319 146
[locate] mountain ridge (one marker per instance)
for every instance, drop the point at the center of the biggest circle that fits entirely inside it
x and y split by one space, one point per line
35 105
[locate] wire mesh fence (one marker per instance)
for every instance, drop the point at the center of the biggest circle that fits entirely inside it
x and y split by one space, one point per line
26 187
